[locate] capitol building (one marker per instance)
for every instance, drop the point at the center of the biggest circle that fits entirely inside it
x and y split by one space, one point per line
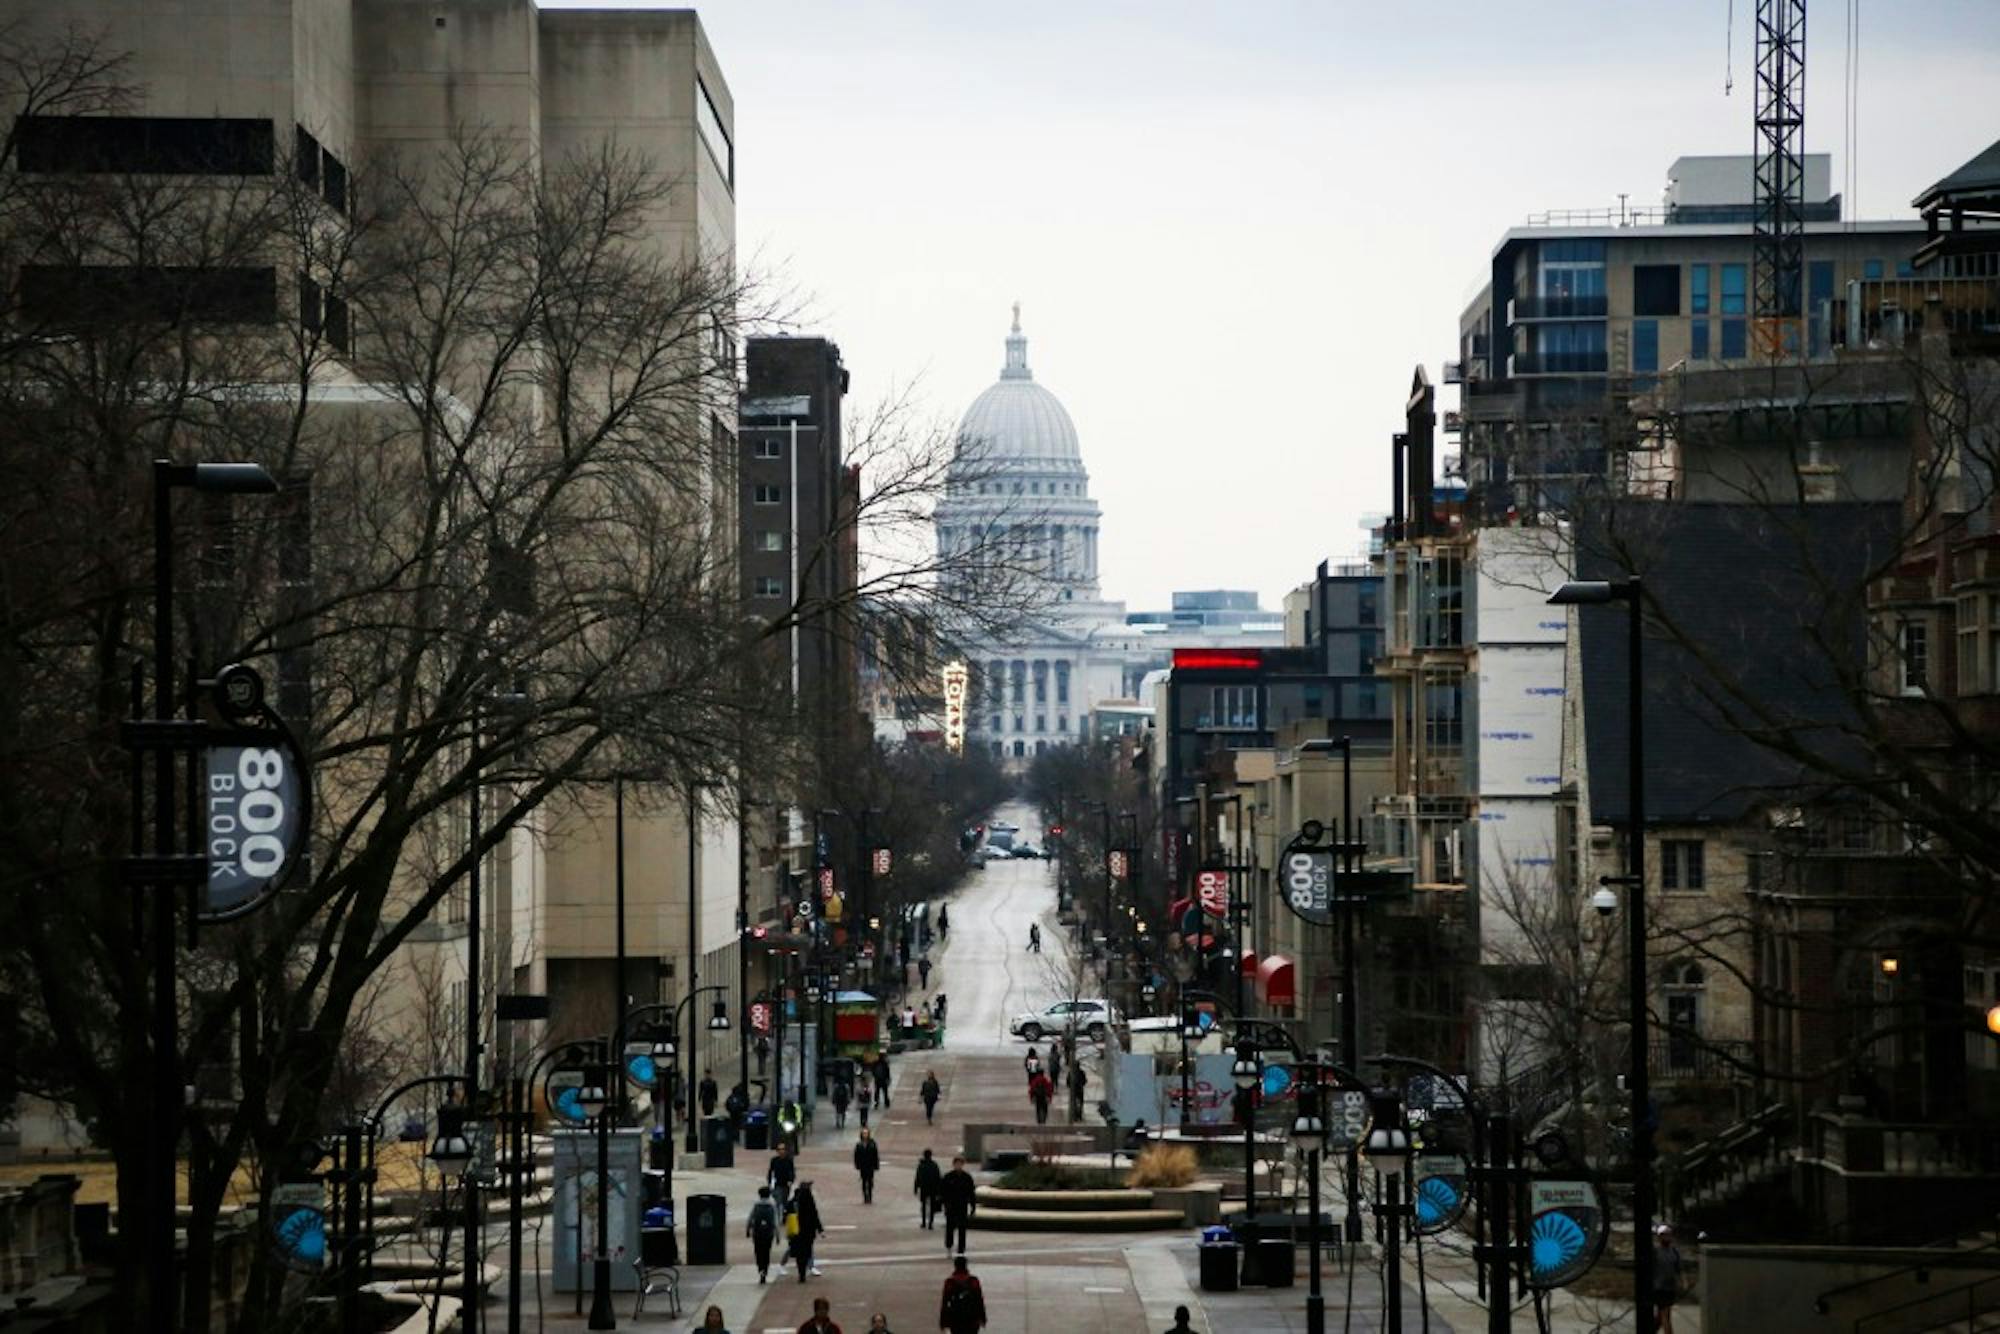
1018 486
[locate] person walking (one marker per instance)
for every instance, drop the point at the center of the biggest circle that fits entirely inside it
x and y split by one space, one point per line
944 920
707 1091
735 1105
711 1323
867 1161
866 1101
959 1195
780 1175
937 1008
1031 1064
924 972
763 1050
822 1319
762 1229
882 1079
1181 1325
1055 1063
1041 1090
878 1323
1078 1081
1666 1277
1034 938
962 1308
931 1092
806 1229
842 1095
929 1188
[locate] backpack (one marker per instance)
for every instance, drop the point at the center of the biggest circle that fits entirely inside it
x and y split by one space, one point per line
763 1219
960 1305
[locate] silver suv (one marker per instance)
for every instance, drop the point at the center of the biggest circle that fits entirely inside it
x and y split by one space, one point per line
1092 1015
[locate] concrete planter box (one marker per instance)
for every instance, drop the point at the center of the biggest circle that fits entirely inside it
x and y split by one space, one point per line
1200 1204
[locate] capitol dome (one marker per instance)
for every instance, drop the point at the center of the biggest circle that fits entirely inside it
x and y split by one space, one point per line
1018 422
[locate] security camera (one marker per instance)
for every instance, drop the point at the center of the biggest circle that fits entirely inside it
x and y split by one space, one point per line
1605 902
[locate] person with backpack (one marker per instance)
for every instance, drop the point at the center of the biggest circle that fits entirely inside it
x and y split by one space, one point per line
930 1185
805 1228
1055 1063
867 1161
1031 1064
930 1093
958 1192
882 1079
842 1095
780 1175
762 1229
1041 1090
962 1309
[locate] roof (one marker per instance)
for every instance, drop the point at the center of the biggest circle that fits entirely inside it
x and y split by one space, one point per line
1017 420
1741 581
1980 176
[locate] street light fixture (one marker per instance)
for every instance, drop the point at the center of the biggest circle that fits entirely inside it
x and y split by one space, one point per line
1597 592
718 1019
451 1151
1388 1151
1309 1134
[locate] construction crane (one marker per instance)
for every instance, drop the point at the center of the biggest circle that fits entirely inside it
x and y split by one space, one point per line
1778 252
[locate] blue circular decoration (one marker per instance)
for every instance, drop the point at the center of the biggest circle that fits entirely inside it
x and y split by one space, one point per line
1204 1020
1555 1244
1277 1080
301 1237
639 1068
569 1106
1437 1202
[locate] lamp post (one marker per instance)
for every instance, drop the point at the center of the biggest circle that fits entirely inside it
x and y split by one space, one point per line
1247 1073
1190 1029
1388 1151
168 1098
1309 1134
451 1154
694 956
1593 592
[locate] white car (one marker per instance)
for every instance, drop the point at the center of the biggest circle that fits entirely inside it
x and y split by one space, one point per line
1090 1016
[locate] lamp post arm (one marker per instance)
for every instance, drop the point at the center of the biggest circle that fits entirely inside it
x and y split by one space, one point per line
374 1122
1465 1097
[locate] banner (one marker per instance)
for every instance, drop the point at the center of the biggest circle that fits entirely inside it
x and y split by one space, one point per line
1212 888
1566 1231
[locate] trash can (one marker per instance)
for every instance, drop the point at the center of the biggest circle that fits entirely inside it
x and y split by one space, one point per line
718 1145
1219 1260
757 1129
707 1220
657 1246
1277 1257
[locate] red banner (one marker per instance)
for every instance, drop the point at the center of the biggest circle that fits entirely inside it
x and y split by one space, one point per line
882 861
1118 866
1212 888
760 1017
825 883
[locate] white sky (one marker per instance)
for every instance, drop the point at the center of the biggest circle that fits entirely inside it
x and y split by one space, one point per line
1236 226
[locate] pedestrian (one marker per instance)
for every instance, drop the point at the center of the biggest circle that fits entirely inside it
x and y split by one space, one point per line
944 921
924 971
1078 1081
763 1050
864 1104
1666 1277
867 1161
930 1182
806 1229
930 1093
878 1323
711 1323
791 1121
959 1194
909 1019
822 1319
735 1105
780 1175
842 1095
962 1309
1034 938
882 1078
707 1091
1181 1325
937 1008
1031 1064
762 1229
1055 1063
1041 1089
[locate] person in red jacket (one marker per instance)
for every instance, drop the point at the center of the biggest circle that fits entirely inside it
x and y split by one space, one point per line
1041 1089
963 1307
821 1322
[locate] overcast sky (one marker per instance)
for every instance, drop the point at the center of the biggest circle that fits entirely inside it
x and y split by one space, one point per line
1235 227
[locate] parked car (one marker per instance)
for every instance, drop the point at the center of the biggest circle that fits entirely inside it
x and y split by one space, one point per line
1093 1016
1029 850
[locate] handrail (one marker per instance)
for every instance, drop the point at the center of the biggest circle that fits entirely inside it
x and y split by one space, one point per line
1856 1285
1967 1290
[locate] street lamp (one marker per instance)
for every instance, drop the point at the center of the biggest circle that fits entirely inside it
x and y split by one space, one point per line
1190 1032
1247 1073
451 1151
1595 592
1388 1151
1148 993
1309 1135
595 1099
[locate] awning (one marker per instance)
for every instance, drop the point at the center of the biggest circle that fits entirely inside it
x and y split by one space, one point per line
1276 981
1249 963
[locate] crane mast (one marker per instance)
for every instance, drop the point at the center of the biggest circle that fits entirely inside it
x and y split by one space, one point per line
1778 252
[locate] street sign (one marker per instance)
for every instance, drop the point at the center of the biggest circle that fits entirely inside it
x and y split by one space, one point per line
298 1224
561 1089
253 818
1212 888
955 680
1307 885
882 861
1442 1192
1119 866
1349 1125
1566 1231
640 1069
760 1016
826 882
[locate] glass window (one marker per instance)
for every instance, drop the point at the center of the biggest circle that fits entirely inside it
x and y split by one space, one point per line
1041 722
1871 270
1698 332
1735 289
1656 289
1062 682
773 540
1905 269
1698 289
1916 658
1735 340
768 495
770 586
770 448
1683 865
709 122
1645 345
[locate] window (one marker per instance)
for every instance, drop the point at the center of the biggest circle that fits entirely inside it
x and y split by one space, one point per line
768 447
770 586
1915 665
1905 269
771 540
1062 682
1681 865
1993 642
1735 340
1698 331
305 156
1020 721
1735 289
1041 681
1656 289
1970 681
334 184
1872 270
152 145
996 723
1698 289
1019 674
709 122
1645 345
1041 722
765 494
75 295
1062 722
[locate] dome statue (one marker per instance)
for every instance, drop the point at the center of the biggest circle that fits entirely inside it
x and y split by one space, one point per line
1018 420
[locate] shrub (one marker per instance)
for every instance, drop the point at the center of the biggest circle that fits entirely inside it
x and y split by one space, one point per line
1052 1176
1164 1165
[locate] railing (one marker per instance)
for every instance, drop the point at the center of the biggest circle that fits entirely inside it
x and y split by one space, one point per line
1627 216
1692 1058
1556 307
1949 1242
1903 1148
1486 388
1936 1310
1747 1152
1556 363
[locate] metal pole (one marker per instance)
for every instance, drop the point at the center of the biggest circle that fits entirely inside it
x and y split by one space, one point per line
1315 1303
601 1314
694 955
743 943
1498 1205
1105 808
1393 1212
167 1096
517 1121
350 1233
470 1286
618 917
1187 1096
1642 1132
1350 1017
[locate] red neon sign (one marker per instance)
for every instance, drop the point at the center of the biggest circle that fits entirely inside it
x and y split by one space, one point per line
1217 659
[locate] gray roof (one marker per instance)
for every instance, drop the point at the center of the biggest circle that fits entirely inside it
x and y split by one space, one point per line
1018 421
1980 176
1741 581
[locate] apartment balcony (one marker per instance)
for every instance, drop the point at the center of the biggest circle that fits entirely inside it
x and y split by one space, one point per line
1688 1059
1526 309
1896 311
1557 363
